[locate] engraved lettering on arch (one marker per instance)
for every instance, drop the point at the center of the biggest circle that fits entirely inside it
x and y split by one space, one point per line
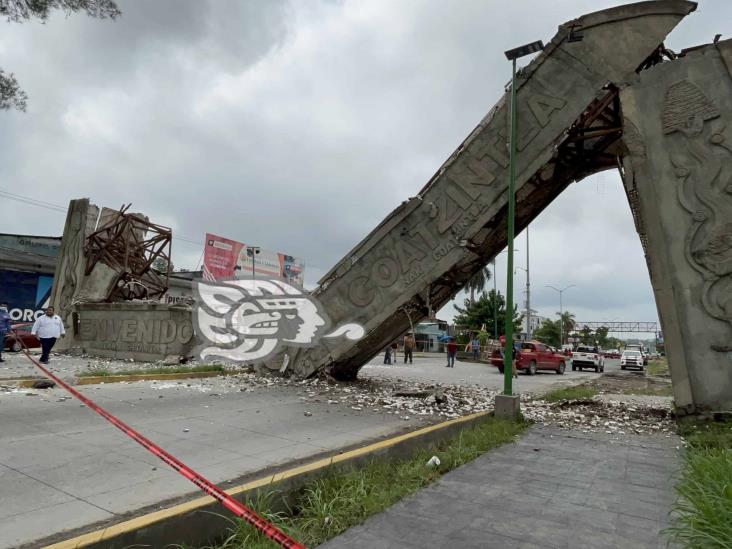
448 212
361 292
471 176
543 106
406 251
385 271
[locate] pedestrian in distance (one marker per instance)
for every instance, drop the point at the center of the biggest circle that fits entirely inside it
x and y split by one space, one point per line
476 348
409 344
451 352
4 327
48 328
387 354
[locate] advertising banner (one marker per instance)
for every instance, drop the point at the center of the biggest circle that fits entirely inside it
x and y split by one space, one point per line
225 259
26 293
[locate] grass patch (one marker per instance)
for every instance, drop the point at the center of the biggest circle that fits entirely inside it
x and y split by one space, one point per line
703 509
104 372
580 392
657 367
331 505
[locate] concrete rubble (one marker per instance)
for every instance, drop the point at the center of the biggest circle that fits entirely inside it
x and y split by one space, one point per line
598 415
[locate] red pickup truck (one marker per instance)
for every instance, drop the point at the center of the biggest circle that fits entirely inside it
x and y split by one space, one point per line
533 356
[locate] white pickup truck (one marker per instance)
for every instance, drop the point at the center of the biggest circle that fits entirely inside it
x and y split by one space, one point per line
640 349
587 357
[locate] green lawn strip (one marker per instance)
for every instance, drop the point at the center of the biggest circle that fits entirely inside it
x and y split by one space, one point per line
104 372
570 393
341 500
703 509
658 367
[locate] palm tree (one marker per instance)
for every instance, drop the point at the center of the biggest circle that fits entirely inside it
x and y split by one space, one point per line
477 282
568 324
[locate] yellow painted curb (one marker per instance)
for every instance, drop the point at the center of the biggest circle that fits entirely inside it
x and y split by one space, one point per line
146 520
27 383
94 380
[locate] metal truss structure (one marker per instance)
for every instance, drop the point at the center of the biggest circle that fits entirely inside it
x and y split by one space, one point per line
129 244
622 327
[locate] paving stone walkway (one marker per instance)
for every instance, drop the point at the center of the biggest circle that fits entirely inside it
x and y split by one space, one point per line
552 488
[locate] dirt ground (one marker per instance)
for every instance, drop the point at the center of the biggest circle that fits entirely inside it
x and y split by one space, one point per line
631 383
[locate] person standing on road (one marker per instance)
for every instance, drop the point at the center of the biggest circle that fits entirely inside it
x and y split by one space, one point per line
387 354
476 348
451 352
4 327
409 344
48 328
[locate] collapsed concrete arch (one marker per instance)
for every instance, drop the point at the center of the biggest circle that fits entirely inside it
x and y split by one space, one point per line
604 94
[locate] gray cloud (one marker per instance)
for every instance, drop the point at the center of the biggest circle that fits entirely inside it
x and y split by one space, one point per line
297 126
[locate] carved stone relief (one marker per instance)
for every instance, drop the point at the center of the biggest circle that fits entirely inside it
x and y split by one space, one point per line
700 152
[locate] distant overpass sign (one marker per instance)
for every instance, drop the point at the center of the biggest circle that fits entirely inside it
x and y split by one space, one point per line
623 327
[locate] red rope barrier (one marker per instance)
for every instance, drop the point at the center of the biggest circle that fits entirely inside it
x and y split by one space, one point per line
239 509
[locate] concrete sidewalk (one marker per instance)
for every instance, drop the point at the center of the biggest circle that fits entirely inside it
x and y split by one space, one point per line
552 488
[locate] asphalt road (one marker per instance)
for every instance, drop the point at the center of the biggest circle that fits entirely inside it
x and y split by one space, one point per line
64 467
431 369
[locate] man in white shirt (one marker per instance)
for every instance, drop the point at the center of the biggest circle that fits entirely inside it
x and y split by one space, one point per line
48 328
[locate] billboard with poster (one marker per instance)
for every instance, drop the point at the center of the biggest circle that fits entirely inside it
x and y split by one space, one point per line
224 259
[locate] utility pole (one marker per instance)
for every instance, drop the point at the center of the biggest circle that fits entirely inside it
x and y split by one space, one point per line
495 303
528 290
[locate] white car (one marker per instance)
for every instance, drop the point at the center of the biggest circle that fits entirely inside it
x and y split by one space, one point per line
588 357
631 359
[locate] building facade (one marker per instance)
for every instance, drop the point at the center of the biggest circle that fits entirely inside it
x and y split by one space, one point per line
27 265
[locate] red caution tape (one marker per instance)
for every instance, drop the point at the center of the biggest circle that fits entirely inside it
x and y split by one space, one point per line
240 510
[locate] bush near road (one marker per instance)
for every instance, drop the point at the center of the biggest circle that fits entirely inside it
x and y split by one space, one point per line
703 510
329 506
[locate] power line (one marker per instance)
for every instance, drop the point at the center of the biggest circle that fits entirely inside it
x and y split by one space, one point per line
62 209
33 201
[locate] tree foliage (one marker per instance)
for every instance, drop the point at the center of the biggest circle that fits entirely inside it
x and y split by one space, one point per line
483 311
162 265
477 282
10 93
17 11
548 332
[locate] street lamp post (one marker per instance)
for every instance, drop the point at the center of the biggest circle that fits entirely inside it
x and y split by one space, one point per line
253 251
512 55
561 317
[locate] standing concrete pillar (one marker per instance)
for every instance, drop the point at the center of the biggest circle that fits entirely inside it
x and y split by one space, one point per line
678 178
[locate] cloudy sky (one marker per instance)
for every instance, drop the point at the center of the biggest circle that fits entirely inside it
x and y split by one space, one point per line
298 125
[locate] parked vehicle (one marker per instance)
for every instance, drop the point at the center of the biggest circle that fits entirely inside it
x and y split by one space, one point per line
19 336
631 359
611 353
640 349
588 357
532 356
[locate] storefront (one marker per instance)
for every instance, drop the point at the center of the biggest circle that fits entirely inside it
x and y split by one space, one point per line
27 265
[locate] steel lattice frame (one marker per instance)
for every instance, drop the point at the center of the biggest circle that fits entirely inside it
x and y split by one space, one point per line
130 244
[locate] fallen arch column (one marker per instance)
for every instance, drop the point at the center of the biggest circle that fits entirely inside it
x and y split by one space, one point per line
424 252
678 178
